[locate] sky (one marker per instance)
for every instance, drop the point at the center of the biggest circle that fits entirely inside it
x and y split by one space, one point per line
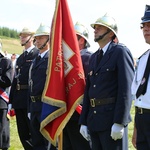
17 14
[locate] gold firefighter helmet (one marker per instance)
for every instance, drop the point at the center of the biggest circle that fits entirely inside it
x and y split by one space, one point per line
42 30
82 31
27 30
108 22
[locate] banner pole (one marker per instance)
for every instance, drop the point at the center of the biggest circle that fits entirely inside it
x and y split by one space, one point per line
60 141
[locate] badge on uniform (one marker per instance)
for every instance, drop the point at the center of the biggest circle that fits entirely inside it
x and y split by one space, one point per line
143 81
91 73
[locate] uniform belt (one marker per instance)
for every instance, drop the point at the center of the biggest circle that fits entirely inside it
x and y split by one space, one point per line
36 98
22 87
141 110
96 102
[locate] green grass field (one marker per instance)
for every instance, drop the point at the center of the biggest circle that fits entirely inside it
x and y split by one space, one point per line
11 45
14 138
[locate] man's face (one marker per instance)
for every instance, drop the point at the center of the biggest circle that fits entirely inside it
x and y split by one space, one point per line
24 38
81 42
99 30
40 40
146 31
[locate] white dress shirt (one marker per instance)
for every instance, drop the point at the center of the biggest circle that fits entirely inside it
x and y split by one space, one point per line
29 49
43 54
142 101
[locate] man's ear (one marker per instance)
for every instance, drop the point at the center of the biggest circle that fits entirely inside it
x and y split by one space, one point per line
82 40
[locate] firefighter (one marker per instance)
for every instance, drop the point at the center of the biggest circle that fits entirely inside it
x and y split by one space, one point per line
107 98
141 90
19 95
6 71
72 139
37 78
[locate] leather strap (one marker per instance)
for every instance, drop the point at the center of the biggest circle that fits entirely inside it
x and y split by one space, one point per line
96 102
141 110
22 87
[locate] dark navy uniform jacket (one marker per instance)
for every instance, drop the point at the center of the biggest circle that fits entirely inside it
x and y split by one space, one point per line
6 75
19 98
111 78
85 57
38 76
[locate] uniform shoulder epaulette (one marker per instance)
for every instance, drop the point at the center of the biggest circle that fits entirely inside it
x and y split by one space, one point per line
144 53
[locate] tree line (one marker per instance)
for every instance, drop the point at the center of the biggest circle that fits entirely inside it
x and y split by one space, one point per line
5 31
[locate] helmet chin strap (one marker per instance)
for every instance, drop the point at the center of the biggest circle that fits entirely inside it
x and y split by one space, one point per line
26 42
44 44
101 36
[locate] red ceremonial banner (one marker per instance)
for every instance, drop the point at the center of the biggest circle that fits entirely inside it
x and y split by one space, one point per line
65 81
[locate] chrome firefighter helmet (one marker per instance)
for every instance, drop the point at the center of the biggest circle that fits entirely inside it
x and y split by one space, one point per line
42 30
108 22
82 31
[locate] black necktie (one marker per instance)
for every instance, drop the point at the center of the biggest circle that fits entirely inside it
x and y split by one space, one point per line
38 58
99 56
25 53
143 86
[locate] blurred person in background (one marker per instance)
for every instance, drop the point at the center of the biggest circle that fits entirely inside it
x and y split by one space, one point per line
13 59
7 54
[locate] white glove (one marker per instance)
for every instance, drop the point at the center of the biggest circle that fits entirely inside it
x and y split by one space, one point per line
29 116
84 132
117 131
9 107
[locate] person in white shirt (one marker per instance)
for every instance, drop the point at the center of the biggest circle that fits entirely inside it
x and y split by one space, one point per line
141 89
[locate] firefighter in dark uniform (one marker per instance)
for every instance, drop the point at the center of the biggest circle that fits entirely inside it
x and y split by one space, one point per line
19 92
6 73
72 139
37 78
107 98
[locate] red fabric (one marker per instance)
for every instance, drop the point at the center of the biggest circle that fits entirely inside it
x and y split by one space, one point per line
11 114
79 109
65 77
4 95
